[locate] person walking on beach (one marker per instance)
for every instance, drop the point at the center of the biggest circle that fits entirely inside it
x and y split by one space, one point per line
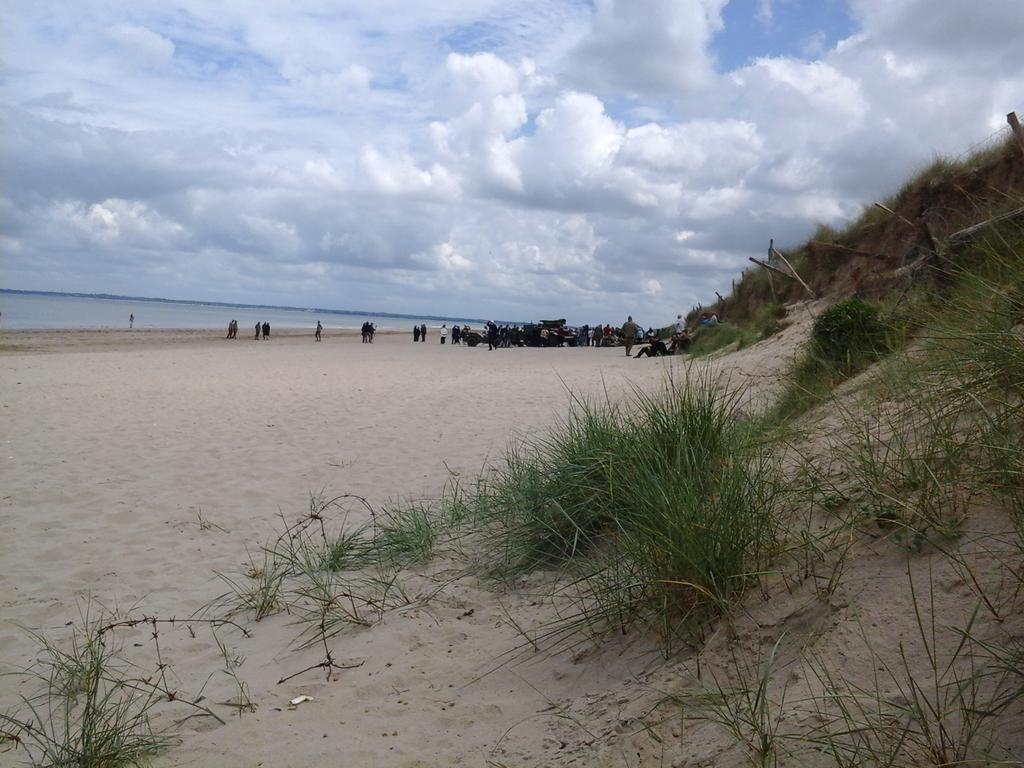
423 332
319 330
629 334
131 320
257 336
266 331
444 332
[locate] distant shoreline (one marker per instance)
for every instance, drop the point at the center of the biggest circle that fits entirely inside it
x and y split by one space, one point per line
193 302
34 340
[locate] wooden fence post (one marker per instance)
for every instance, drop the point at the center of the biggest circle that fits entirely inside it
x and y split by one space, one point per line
1011 118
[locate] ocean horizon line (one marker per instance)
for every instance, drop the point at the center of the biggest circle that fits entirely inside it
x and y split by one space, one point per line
236 305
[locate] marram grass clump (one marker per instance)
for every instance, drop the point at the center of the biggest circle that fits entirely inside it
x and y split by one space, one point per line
659 512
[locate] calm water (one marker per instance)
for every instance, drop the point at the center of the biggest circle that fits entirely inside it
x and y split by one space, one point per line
31 311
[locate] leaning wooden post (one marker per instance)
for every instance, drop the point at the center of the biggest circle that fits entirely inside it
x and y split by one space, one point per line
891 212
795 275
770 268
1017 130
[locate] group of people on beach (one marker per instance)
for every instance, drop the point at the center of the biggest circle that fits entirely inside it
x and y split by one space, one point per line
459 333
262 330
629 334
497 336
504 336
608 335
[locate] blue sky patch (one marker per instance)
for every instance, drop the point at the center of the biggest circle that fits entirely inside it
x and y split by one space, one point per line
799 28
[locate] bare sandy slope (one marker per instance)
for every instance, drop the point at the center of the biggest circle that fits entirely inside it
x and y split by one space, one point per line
114 446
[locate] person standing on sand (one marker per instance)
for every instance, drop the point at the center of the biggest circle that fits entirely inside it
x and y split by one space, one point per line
131 320
257 336
266 331
444 332
415 333
423 332
319 330
629 334
598 335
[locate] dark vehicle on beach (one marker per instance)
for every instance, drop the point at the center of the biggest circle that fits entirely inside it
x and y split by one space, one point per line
549 333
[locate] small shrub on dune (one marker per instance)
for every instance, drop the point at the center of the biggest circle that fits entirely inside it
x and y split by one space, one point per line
846 338
849 334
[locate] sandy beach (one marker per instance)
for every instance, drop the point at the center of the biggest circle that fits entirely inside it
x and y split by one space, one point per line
136 465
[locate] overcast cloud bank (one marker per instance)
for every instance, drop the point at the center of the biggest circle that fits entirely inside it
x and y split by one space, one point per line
468 157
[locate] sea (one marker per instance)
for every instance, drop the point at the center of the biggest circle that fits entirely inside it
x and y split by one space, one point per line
30 310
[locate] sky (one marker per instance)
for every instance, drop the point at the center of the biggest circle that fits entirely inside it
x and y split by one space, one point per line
514 159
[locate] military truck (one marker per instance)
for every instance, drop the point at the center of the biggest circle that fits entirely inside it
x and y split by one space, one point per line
549 333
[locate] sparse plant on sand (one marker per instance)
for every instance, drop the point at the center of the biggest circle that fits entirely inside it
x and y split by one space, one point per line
258 590
745 707
88 704
946 716
407 533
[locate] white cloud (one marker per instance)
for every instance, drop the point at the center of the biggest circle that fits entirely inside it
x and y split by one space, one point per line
398 175
659 46
143 46
115 221
803 87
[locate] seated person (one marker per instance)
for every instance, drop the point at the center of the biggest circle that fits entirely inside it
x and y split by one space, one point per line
656 348
679 342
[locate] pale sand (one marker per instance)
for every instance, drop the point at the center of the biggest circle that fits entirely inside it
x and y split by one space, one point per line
112 442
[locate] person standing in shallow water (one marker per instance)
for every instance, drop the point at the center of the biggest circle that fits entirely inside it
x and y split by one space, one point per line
131 320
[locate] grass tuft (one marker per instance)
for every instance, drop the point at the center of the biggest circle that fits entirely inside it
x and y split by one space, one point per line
658 514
